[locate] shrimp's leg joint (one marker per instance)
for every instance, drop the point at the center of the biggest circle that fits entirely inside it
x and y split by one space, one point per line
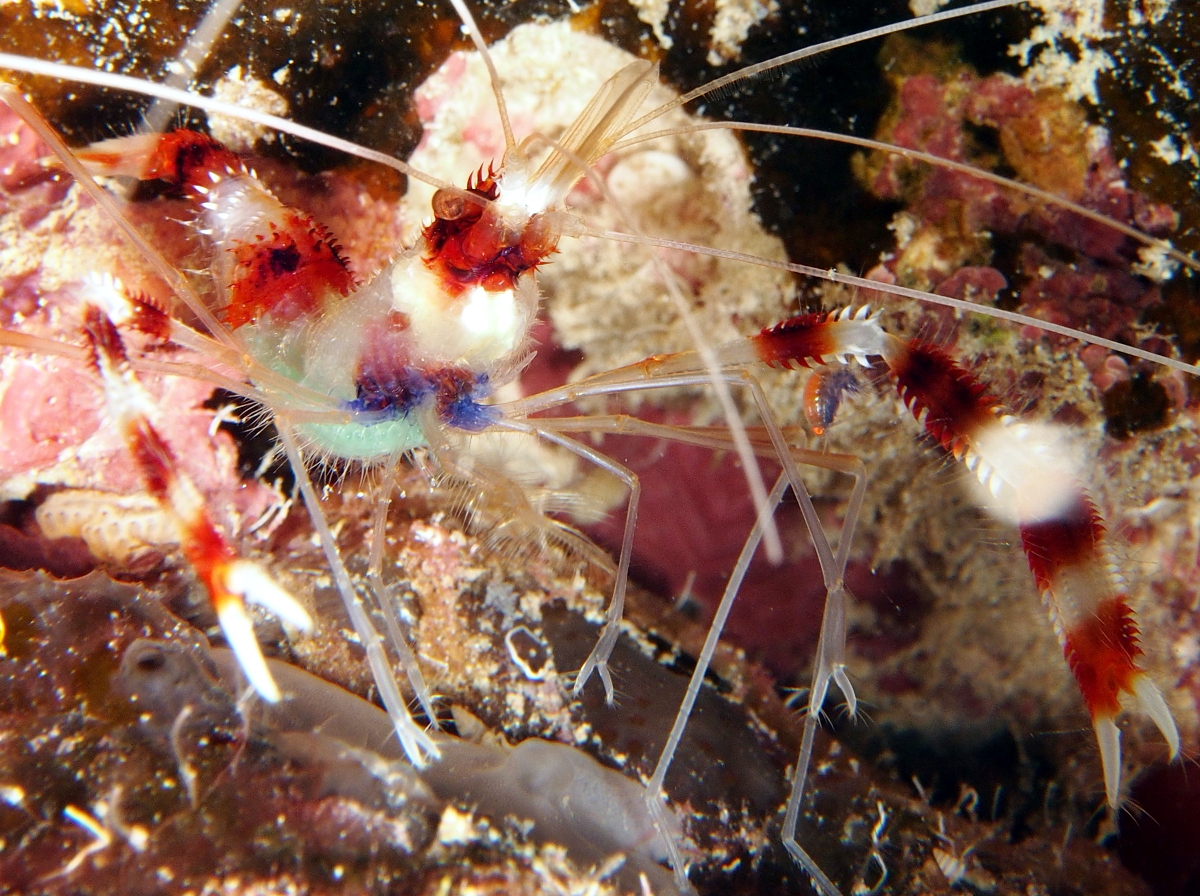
1028 478
230 579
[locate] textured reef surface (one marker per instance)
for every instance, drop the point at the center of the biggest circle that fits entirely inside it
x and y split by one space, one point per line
977 772
129 764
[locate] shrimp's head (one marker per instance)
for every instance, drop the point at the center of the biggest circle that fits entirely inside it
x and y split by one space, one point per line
467 297
479 239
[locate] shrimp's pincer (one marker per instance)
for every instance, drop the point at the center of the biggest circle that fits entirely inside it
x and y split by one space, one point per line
1029 479
229 579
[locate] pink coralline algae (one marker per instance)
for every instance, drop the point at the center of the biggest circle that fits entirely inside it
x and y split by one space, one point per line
1073 271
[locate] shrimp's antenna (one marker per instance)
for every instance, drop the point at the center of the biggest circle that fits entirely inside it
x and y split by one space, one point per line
80 75
893 289
188 62
472 29
942 162
767 65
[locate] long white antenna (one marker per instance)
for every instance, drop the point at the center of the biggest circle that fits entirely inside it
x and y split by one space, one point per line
181 72
472 29
78 74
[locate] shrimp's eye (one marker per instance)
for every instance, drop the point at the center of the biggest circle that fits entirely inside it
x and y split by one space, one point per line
448 206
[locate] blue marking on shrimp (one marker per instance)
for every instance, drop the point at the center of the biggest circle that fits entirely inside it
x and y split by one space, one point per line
823 396
454 391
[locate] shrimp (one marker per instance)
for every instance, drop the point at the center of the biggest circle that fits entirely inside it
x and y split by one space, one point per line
473 413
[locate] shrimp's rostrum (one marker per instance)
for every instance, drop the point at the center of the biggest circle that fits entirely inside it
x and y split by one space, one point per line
362 364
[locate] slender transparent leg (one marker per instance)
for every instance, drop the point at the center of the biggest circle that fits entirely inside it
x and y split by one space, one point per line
385 599
654 788
597 660
831 648
418 745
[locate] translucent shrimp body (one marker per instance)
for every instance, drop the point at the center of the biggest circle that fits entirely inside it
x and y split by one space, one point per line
392 365
420 347
426 334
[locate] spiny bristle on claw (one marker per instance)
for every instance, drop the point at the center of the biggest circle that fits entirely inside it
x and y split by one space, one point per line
821 337
1030 478
229 579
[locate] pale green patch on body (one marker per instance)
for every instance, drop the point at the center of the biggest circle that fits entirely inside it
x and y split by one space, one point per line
354 441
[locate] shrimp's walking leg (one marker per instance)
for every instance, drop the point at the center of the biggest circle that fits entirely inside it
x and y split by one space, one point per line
388 607
597 660
673 371
1029 480
682 369
229 579
831 650
830 662
417 744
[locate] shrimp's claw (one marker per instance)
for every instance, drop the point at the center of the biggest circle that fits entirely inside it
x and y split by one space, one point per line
1150 701
597 662
231 584
1032 478
239 632
229 579
1029 477
843 682
1102 651
1108 736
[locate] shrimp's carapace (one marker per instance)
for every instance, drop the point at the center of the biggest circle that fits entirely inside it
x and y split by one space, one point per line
430 332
